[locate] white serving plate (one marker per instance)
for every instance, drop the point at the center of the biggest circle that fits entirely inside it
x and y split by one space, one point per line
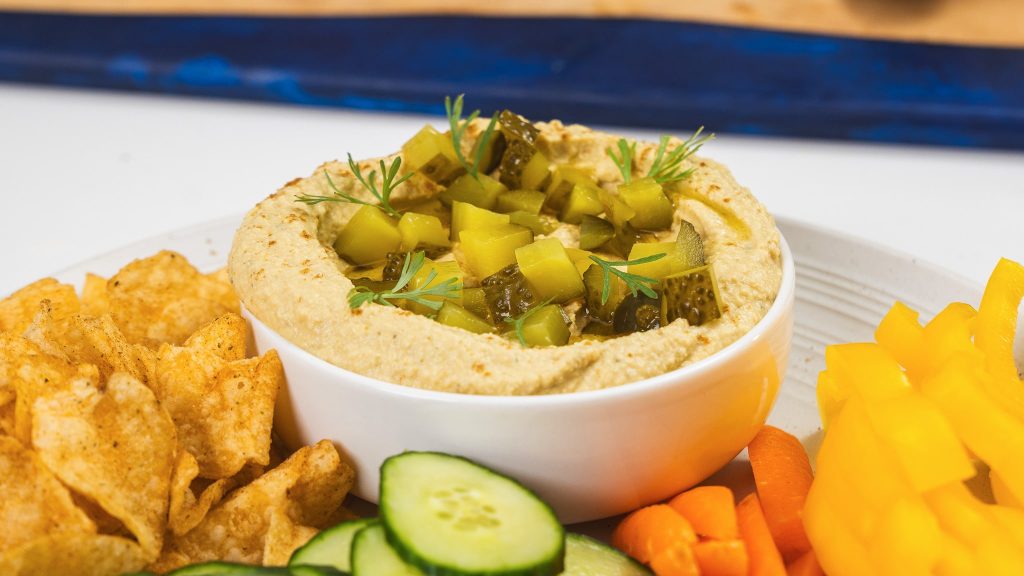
844 285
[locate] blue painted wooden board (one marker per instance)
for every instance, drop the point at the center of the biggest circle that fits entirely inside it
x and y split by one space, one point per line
664 75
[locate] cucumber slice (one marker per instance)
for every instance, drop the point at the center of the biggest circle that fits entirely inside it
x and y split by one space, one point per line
452 517
332 547
585 556
373 556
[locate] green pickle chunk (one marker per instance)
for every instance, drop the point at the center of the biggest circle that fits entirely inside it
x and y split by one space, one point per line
393 264
516 128
549 270
517 155
593 280
452 314
690 246
536 174
537 223
583 200
646 197
432 154
637 314
507 294
488 250
368 237
563 180
469 217
595 232
422 230
692 295
482 193
521 201
474 300
443 271
546 327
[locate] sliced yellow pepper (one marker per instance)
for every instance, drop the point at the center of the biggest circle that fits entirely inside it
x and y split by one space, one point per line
947 334
997 318
985 427
1001 493
967 519
831 397
955 558
903 336
908 540
839 552
868 369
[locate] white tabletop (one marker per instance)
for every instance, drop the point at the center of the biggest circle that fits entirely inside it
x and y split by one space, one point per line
84 172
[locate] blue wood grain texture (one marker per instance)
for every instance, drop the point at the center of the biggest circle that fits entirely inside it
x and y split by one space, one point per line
664 75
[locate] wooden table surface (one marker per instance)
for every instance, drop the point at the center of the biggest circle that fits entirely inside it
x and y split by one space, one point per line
972 22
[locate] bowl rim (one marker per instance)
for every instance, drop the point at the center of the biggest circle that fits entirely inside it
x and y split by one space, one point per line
690 372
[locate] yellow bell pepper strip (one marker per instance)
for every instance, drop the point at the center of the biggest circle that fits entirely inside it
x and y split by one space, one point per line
955 558
997 318
947 334
867 368
908 540
1010 521
831 397
1001 493
983 425
903 336
839 552
920 441
969 521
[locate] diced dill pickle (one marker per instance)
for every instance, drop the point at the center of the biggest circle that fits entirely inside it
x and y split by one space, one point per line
507 294
468 217
690 246
483 193
375 285
594 232
452 314
546 327
442 271
580 259
582 200
637 314
515 127
672 263
517 155
490 158
653 209
537 223
432 154
422 230
521 201
426 206
563 180
618 212
692 295
368 236
549 270
488 250
625 237
536 174
393 264
593 280
473 299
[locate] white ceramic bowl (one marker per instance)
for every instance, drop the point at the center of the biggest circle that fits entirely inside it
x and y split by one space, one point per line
589 454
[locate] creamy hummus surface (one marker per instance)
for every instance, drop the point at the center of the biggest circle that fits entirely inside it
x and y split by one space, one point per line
288 275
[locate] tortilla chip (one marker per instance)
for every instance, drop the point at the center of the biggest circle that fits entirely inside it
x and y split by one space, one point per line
7 419
225 337
164 299
307 488
113 444
283 537
18 309
27 373
94 295
186 509
84 339
73 555
34 502
224 411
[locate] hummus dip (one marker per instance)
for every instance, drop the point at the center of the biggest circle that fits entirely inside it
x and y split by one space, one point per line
288 275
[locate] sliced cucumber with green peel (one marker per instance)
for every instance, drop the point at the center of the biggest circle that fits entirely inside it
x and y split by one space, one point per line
585 556
332 547
373 556
452 517
227 569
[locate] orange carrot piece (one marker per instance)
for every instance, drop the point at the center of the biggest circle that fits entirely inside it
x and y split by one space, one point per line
651 530
710 509
721 557
762 554
806 565
783 476
676 560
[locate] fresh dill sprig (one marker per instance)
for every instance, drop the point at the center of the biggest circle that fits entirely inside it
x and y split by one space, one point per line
624 161
383 195
447 288
458 129
635 282
666 167
518 322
